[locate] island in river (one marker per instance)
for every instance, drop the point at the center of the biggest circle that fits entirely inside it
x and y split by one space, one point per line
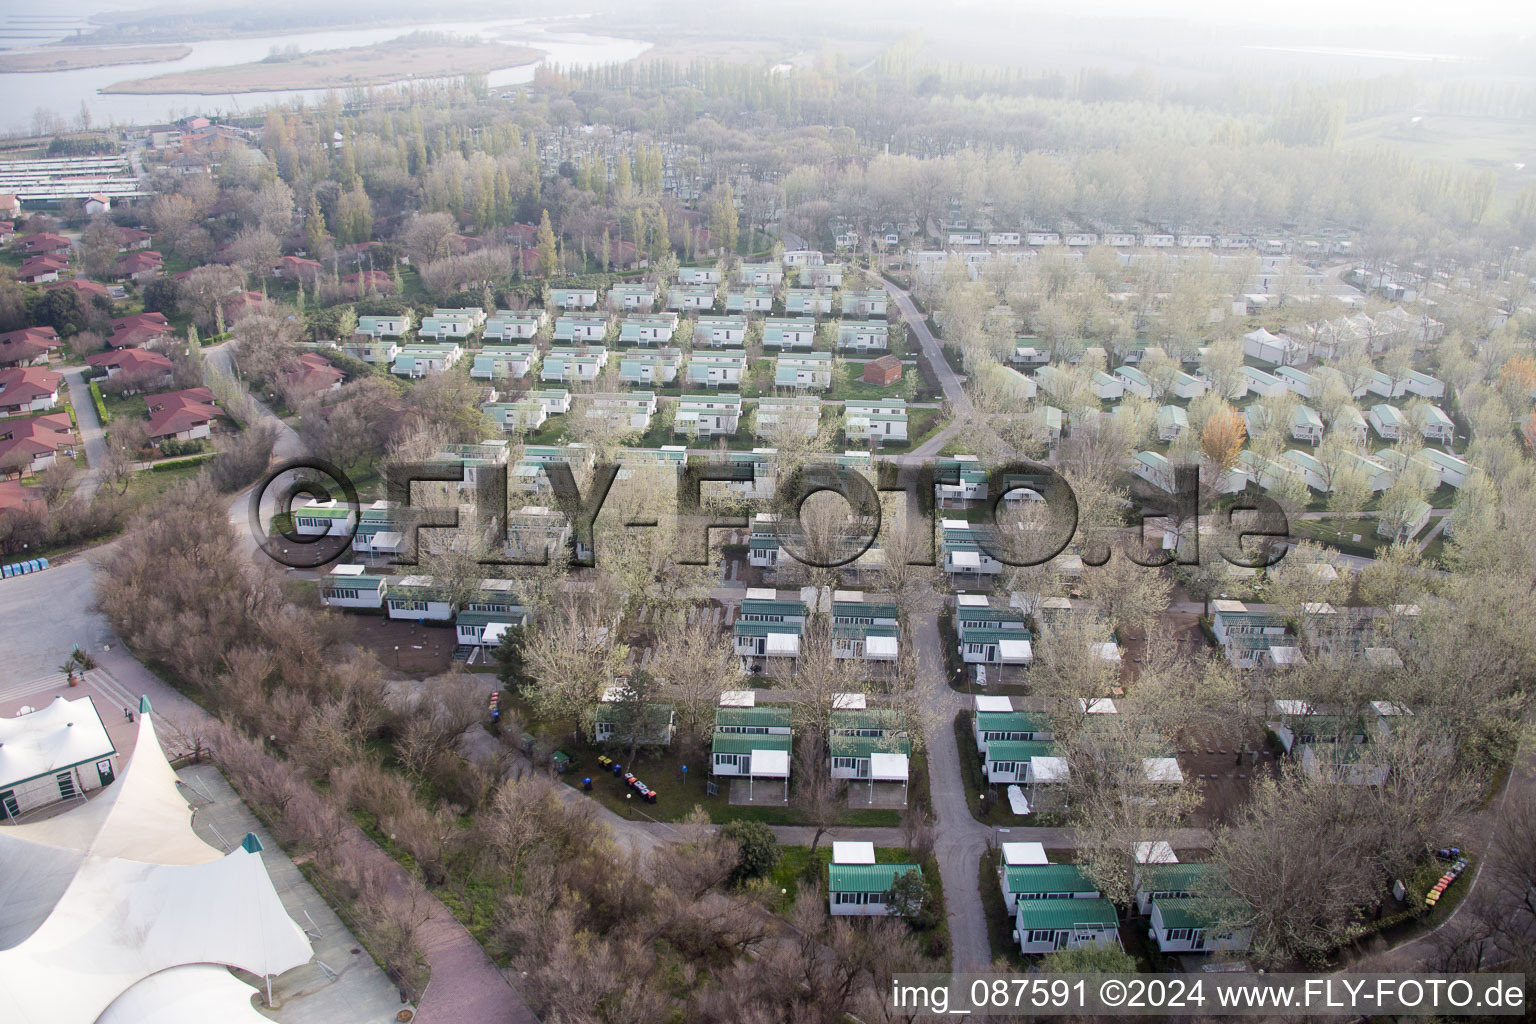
414 56
77 58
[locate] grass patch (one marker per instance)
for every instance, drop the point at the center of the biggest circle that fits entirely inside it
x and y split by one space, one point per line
995 909
678 792
146 485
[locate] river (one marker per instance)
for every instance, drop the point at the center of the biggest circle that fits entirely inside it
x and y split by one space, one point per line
63 92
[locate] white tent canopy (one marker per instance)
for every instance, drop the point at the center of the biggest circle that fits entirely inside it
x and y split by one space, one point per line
880 647
738 699
849 702
197 992
145 896
52 739
987 703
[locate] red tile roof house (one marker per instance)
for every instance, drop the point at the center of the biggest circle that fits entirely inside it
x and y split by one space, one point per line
28 389
131 239
148 369
241 303
371 280
312 373
136 330
16 498
297 268
88 289
27 347
181 415
38 245
138 266
39 269
31 442
523 235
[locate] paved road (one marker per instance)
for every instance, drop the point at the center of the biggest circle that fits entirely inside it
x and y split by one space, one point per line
91 431
949 382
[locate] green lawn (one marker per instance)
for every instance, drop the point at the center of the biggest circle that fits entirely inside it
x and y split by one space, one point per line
147 484
801 862
999 923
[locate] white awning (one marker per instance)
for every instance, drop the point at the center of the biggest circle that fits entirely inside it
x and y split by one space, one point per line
888 767
880 647
495 633
849 702
971 600
738 699
1018 802
1015 652
853 853
966 558
1018 854
1157 852
387 540
773 764
1107 651
1048 769
1162 769
787 644
985 703
1097 706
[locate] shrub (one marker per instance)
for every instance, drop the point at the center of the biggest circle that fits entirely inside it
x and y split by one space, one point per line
101 405
759 850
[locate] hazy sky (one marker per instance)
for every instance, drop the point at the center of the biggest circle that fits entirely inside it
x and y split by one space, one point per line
1429 17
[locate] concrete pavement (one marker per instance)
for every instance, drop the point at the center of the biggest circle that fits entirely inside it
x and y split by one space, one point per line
92 434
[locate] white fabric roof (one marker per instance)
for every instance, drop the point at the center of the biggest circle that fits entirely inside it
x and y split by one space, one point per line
1015 650
970 558
197 992
853 853
145 895
1157 852
993 704
51 739
738 698
849 702
888 767
1018 802
1016 854
1162 769
761 594
1097 706
1107 651
971 600
880 647
771 763
1048 769
783 643
495 633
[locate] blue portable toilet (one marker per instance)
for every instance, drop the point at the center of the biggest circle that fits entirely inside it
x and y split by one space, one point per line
32 566
42 563
7 571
